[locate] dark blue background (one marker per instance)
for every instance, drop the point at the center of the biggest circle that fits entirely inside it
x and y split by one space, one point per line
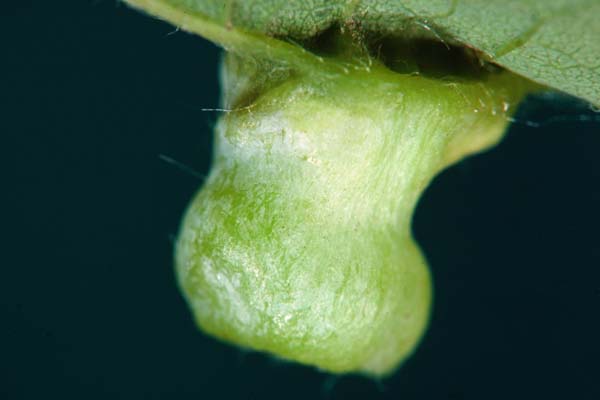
93 94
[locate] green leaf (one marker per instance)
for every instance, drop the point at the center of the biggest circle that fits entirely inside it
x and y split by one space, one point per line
552 42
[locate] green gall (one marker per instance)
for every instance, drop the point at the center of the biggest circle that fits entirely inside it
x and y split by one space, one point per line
299 243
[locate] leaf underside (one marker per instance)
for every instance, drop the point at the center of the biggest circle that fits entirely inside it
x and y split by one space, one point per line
552 42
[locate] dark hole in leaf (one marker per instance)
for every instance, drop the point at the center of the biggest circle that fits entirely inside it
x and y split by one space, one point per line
406 54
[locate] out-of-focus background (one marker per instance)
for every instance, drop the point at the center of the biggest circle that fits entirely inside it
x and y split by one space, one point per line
104 141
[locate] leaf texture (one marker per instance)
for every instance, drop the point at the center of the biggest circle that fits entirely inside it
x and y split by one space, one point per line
552 42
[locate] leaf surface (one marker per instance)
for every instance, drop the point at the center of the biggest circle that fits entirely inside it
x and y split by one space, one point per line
553 42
